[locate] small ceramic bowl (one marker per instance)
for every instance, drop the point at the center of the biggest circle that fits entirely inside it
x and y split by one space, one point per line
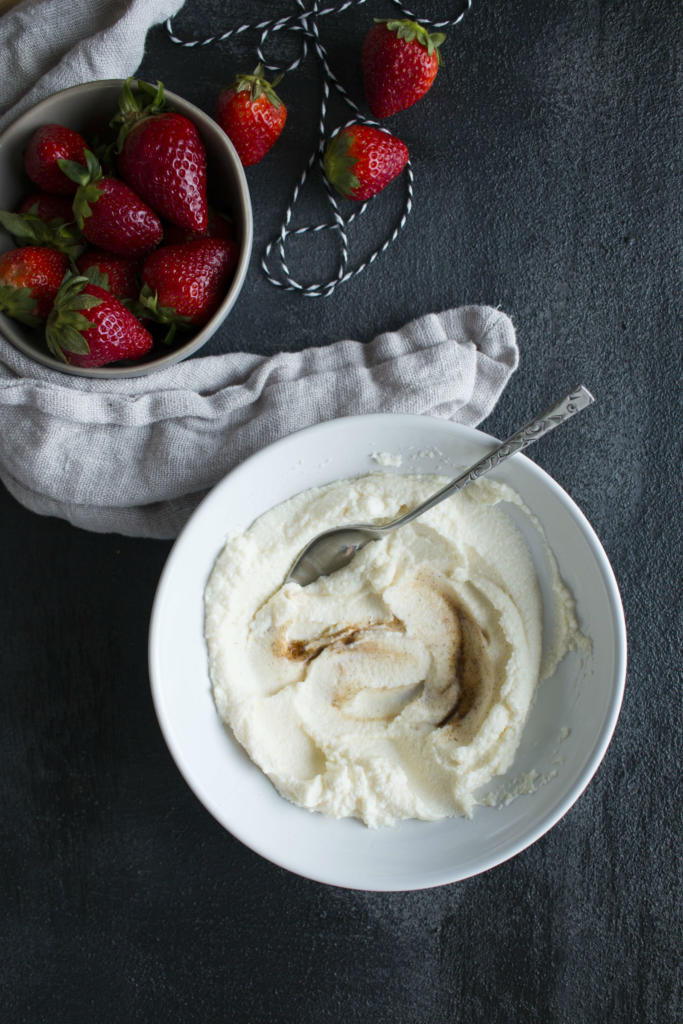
564 739
88 108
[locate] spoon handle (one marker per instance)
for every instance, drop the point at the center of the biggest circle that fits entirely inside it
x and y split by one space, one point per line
560 412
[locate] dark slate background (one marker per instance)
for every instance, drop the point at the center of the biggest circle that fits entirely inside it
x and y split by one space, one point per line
546 183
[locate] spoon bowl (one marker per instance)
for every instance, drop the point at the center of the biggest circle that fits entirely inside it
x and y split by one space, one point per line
332 550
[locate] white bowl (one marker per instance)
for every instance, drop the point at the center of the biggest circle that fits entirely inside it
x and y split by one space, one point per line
582 698
87 109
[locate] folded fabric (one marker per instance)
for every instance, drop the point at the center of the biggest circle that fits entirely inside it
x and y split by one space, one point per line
135 455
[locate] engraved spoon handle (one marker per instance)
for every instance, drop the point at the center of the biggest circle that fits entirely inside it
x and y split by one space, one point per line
560 412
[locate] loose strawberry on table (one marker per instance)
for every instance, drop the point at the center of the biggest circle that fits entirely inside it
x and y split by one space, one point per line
183 285
90 327
162 156
252 115
30 278
47 146
360 161
400 59
109 213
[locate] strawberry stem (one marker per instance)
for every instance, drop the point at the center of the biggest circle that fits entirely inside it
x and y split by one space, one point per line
339 164
66 323
87 179
134 106
148 304
413 30
20 304
258 85
29 229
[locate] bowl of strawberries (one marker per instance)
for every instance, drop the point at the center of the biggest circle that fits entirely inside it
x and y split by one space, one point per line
125 229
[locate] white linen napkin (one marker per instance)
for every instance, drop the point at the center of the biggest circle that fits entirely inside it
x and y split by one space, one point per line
134 456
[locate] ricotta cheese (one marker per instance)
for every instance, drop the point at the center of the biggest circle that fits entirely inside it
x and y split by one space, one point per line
398 686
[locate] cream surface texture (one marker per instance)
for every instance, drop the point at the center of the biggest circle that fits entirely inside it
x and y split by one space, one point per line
400 685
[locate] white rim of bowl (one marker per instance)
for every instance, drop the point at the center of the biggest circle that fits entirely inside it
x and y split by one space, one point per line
246 244
553 816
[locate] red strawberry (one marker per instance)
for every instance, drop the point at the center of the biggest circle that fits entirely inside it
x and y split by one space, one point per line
48 145
108 212
252 115
400 60
184 284
360 161
88 326
120 274
219 226
162 157
29 281
47 207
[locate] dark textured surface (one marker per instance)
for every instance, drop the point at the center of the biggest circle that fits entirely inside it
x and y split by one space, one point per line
546 183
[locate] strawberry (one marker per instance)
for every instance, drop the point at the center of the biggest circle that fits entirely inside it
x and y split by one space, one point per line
119 274
48 145
108 212
252 115
47 207
400 60
184 284
29 281
219 226
162 156
88 326
360 161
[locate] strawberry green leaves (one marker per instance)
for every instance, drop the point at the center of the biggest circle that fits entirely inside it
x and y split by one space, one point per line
66 323
87 178
20 304
133 106
412 30
30 229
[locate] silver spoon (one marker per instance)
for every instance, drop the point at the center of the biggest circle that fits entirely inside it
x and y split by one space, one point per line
334 549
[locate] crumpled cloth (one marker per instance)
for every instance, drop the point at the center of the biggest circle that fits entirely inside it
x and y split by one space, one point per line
135 456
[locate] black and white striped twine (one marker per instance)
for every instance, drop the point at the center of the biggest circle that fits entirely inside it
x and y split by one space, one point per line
305 22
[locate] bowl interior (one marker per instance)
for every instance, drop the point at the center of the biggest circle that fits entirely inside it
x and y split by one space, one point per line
582 697
87 109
